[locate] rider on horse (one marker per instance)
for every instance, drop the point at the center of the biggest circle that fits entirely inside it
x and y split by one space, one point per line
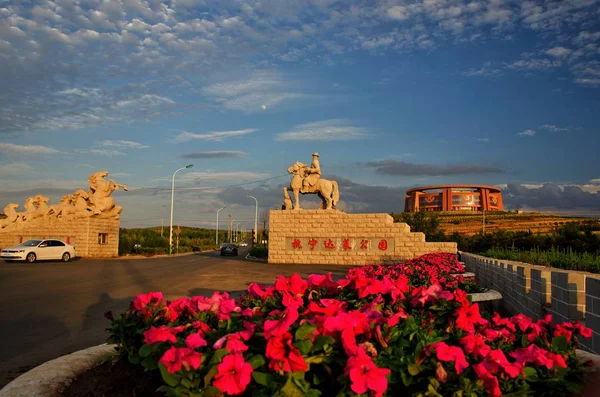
312 174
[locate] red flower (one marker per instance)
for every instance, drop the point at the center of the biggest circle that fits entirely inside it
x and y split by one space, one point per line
322 281
522 321
293 284
176 308
349 324
475 344
535 354
161 334
235 345
284 355
143 300
177 357
255 289
451 353
233 374
194 341
583 331
217 303
468 316
365 375
490 381
281 326
202 327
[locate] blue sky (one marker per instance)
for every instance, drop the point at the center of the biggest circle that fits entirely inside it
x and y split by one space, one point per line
392 94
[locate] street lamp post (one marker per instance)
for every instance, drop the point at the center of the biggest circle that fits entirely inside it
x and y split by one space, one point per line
172 199
255 217
217 228
231 231
237 232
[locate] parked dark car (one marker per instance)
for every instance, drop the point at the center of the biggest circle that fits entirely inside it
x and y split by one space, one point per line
229 249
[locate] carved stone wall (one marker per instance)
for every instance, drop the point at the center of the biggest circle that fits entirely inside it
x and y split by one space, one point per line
333 237
92 237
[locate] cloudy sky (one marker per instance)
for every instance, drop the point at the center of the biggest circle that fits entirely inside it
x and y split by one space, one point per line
392 94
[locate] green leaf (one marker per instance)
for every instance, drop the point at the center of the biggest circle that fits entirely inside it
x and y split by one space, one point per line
257 361
312 393
186 382
290 389
133 359
262 378
305 330
149 363
413 369
560 343
218 356
170 379
212 391
530 374
322 341
304 346
145 350
211 373
314 359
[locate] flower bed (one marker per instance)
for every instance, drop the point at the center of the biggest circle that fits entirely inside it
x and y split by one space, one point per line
405 329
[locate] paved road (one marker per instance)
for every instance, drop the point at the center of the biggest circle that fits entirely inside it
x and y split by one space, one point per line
50 309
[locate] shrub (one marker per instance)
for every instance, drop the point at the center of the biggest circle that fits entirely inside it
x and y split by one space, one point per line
259 251
405 329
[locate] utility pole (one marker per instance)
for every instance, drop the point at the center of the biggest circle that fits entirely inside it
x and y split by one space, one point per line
229 227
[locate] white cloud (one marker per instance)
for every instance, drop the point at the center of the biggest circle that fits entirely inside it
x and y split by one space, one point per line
9 148
483 139
553 128
558 52
123 144
527 133
220 178
534 64
106 152
217 136
399 13
592 82
327 130
14 168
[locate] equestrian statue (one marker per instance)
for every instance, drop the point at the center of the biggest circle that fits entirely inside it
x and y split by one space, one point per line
307 180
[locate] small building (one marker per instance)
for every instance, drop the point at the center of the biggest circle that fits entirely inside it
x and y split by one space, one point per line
453 198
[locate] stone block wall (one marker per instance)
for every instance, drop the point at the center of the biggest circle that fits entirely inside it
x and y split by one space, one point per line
82 233
537 290
334 237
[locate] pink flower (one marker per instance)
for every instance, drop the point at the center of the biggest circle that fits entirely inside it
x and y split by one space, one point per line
177 357
451 353
365 375
143 300
537 355
322 281
295 285
490 381
475 344
255 289
161 334
195 341
233 374
217 303
282 325
176 308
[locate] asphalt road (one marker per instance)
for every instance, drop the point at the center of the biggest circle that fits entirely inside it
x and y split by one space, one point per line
48 309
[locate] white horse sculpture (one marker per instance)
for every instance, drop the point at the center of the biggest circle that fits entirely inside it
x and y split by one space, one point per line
12 217
100 191
327 190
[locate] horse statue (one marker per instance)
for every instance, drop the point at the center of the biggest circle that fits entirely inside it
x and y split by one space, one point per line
327 190
43 210
30 209
100 191
81 206
12 217
64 207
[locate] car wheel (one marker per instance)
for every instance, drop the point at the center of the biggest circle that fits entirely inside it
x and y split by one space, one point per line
66 257
31 257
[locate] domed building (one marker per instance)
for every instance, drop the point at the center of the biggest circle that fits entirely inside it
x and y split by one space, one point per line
453 198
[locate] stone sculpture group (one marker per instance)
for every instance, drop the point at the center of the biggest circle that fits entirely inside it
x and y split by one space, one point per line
95 201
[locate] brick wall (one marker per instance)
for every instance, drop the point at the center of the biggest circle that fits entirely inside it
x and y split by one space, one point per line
81 233
288 227
537 290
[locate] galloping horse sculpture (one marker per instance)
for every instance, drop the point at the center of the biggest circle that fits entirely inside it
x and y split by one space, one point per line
327 190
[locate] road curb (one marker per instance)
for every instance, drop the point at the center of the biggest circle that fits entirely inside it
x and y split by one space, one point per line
53 377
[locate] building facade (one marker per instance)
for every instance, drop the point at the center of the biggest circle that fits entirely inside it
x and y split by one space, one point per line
453 198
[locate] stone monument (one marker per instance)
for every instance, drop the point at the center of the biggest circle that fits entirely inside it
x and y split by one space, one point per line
330 236
87 219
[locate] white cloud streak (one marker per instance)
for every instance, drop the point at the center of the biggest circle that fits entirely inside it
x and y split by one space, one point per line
526 133
123 144
28 150
327 130
216 136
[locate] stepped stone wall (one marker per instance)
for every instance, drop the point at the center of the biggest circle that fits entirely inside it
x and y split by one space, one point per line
334 237
92 237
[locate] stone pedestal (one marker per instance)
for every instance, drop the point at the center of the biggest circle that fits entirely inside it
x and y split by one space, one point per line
334 237
92 237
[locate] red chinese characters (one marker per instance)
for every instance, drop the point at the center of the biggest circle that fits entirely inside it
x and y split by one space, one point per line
296 244
313 243
329 244
346 244
383 245
364 244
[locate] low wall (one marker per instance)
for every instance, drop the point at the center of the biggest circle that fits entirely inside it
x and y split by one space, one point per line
537 290
82 233
334 237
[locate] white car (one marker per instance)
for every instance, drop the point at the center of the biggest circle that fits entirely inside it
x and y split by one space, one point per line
244 244
32 250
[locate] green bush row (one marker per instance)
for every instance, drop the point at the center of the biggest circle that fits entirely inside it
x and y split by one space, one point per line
562 259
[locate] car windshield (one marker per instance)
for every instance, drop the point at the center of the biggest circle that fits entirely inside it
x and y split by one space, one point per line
30 243
227 245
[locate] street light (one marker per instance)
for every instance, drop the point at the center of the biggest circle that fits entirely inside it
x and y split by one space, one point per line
255 217
172 198
237 232
230 226
217 228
